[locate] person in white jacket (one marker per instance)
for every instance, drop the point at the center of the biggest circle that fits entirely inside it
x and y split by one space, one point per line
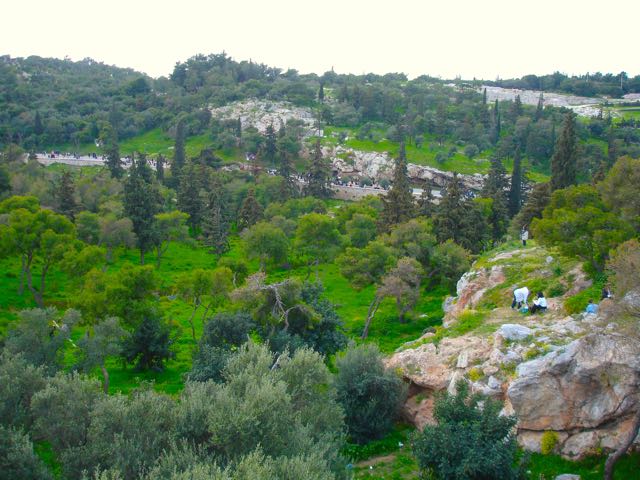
539 303
520 297
524 236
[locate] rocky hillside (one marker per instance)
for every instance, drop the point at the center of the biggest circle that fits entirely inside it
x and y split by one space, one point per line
574 375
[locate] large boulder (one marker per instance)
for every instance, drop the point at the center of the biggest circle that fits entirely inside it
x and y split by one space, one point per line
589 389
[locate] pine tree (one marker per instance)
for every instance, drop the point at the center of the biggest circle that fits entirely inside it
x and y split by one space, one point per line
66 196
426 205
398 205
178 152
495 123
515 190
540 107
192 181
38 128
112 151
160 161
250 212
142 202
451 211
612 148
484 97
270 148
215 229
563 161
496 181
319 177
494 188
321 92
516 108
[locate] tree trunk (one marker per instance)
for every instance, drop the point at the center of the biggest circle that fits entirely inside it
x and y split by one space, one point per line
193 327
23 271
615 456
141 257
317 269
37 296
373 308
105 376
401 311
109 255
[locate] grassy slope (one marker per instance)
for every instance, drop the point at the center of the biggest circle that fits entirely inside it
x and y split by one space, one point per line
352 307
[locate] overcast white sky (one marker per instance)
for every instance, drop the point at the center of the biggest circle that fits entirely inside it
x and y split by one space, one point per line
471 38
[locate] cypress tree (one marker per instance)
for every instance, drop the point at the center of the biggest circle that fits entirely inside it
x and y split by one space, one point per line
38 128
563 161
426 206
250 212
540 107
321 92
484 97
451 211
270 148
215 229
612 149
160 168
496 181
190 200
495 123
398 205
515 190
112 151
66 196
516 108
319 177
178 152
142 202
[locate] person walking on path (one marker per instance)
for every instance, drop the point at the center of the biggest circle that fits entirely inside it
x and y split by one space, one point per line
524 236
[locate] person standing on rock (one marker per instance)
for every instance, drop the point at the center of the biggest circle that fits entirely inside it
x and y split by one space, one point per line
520 297
524 236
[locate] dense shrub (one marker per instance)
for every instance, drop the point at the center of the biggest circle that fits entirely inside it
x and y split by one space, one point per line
370 395
471 440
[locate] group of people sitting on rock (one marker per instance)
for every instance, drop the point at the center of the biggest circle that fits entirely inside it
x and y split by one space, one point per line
520 296
593 307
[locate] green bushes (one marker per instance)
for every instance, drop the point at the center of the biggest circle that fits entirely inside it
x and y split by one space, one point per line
548 442
370 395
469 442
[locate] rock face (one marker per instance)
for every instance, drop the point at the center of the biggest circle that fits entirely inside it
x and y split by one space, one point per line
469 290
379 166
260 114
571 374
586 390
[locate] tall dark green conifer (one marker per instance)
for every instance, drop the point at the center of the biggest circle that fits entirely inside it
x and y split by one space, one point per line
563 161
540 107
142 202
270 149
398 205
319 176
321 92
160 168
112 151
178 152
496 180
516 108
426 205
190 198
250 212
65 194
451 211
38 128
515 190
612 148
495 188
215 228
495 123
